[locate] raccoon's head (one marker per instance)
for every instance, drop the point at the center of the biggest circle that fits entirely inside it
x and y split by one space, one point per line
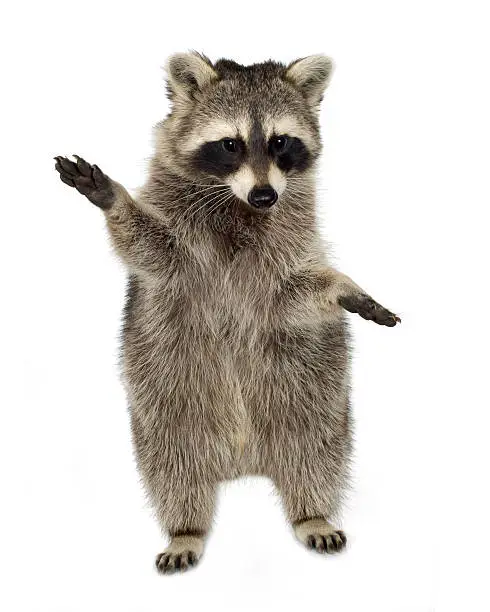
253 128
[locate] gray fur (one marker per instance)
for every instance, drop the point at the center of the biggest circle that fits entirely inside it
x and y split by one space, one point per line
235 346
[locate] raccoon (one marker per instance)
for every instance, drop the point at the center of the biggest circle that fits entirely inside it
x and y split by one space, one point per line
235 351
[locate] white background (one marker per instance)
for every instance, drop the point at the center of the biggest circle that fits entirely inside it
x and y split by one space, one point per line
404 200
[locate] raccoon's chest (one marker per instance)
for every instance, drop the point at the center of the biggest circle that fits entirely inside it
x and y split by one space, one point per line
229 297
231 304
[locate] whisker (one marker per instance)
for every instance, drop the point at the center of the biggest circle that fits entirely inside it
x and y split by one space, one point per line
303 193
190 187
228 198
216 204
206 195
205 203
208 189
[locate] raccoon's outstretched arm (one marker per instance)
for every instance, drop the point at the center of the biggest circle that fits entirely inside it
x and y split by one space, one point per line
342 290
140 240
333 289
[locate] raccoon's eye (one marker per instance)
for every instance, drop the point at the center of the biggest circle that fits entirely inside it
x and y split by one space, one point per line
230 145
278 143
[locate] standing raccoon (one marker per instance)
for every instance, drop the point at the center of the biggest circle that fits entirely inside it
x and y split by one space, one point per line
235 347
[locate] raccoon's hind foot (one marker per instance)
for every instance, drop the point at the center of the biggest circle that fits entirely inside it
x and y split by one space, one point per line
367 308
183 552
319 535
88 179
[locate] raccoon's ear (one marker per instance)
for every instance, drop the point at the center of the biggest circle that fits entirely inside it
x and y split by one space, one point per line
189 74
311 76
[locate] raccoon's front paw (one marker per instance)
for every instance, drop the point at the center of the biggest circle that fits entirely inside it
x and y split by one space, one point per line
88 179
184 552
369 309
319 535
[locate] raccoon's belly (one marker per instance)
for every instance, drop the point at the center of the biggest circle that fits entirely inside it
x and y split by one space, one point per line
199 365
308 365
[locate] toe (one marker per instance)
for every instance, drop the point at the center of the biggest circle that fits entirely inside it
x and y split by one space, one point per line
68 166
170 566
331 545
98 176
84 167
184 562
67 180
192 558
321 544
338 543
342 536
160 561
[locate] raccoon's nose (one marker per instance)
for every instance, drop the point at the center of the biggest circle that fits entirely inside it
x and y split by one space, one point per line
262 197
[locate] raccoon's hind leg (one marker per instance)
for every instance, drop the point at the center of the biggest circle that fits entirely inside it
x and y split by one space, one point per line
185 420
305 441
310 498
307 459
186 511
181 488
